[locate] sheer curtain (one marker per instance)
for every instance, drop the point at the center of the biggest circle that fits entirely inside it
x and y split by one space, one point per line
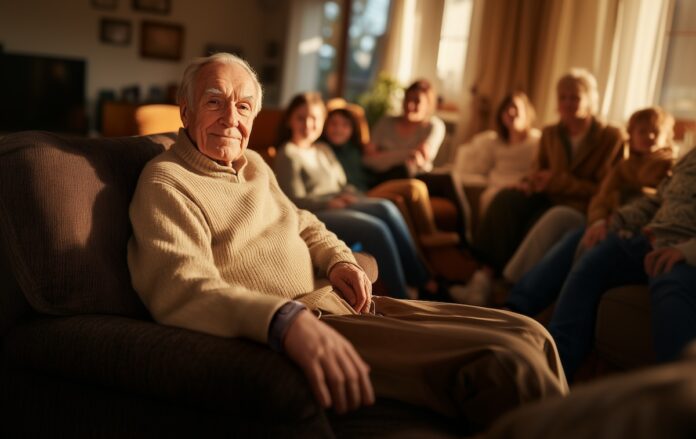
413 39
508 50
528 44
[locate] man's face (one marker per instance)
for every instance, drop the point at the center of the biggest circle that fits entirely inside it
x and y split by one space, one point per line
220 118
573 102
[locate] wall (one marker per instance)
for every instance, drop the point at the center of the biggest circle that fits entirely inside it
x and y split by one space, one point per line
70 28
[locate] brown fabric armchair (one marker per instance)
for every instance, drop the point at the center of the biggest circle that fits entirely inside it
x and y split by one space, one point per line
81 356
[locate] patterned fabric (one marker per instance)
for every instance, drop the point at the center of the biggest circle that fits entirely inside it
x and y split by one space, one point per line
627 179
670 214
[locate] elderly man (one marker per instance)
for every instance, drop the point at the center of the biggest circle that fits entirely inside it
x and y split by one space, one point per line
218 248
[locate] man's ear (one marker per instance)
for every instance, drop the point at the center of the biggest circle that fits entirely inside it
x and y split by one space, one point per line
183 112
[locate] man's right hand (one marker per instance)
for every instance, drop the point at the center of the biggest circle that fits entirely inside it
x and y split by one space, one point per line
338 375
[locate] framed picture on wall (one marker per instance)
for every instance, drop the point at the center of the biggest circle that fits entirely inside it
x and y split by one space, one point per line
104 4
154 6
161 40
116 32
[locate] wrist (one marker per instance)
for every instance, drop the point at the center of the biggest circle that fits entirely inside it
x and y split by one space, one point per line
281 322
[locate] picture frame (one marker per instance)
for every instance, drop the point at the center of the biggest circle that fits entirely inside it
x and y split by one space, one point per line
115 31
105 4
161 40
161 7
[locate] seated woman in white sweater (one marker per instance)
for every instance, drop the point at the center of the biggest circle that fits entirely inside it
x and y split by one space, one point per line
502 157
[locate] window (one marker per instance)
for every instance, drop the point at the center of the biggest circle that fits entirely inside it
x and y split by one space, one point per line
678 93
454 39
337 55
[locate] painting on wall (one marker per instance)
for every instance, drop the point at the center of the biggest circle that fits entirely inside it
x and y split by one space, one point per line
161 40
116 32
154 6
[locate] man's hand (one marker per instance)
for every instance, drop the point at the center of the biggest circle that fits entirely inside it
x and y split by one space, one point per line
540 180
338 375
522 186
416 159
336 202
353 284
662 260
349 198
594 234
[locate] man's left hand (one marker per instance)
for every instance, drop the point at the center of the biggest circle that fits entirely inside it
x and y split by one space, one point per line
662 260
353 284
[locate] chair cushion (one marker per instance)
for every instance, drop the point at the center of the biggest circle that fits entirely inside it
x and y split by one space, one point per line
64 218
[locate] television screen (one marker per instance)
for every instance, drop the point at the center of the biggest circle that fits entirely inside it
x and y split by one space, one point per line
42 93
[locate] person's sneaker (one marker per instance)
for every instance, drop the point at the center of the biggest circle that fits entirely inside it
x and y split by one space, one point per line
477 291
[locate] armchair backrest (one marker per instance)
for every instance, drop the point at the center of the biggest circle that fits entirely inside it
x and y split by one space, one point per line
64 221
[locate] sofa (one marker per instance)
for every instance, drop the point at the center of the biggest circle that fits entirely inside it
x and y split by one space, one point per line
81 356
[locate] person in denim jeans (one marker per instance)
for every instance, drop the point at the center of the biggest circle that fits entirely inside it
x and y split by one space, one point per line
653 240
648 159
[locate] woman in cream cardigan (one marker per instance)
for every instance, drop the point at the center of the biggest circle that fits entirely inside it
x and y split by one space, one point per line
502 157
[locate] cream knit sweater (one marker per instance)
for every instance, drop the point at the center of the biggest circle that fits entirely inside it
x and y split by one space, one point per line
219 253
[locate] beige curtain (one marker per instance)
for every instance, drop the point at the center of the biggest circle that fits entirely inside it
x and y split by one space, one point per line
526 45
412 40
511 49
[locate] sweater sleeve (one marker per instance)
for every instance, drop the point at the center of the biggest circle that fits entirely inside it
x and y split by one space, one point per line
607 198
477 157
385 159
172 269
637 214
325 248
565 183
689 250
288 171
434 141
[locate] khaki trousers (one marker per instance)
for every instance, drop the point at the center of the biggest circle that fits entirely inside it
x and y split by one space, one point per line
462 361
412 198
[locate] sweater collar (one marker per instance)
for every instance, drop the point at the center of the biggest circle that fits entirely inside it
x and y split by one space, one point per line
186 150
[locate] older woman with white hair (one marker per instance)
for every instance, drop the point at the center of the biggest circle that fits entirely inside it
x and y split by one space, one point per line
574 155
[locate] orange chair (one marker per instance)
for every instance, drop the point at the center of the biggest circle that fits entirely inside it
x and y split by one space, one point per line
157 118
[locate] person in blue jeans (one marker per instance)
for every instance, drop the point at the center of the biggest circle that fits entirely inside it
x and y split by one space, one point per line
310 175
651 240
649 159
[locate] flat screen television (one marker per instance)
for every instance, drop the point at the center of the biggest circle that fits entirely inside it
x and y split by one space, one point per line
42 93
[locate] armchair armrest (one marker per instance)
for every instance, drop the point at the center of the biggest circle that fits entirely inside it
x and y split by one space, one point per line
223 375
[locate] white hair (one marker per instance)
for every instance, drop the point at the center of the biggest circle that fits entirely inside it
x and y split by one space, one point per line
186 89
